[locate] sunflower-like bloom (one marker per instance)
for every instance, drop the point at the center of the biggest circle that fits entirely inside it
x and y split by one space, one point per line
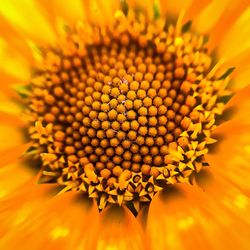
124 125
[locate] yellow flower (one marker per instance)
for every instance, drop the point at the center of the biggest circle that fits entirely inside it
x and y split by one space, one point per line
115 127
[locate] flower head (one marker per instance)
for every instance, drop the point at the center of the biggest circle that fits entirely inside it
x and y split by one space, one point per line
125 106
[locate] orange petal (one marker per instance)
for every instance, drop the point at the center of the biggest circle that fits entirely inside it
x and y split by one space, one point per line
171 222
10 119
232 12
208 17
217 18
13 176
10 80
239 106
241 76
231 157
10 104
235 41
119 229
12 154
195 8
62 222
190 218
10 136
174 7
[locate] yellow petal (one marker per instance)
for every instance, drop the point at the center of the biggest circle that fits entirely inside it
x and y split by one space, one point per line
98 11
26 18
195 8
174 7
68 12
233 10
236 42
13 62
208 17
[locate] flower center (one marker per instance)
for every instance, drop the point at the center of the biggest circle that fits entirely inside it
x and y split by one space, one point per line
122 110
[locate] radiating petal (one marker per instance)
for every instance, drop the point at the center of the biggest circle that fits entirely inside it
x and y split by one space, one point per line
65 12
10 104
10 136
195 8
11 154
119 230
242 72
174 8
232 12
13 176
62 222
234 45
12 62
209 15
238 108
19 14
236 40
98 11
232 155
192 218
10 119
